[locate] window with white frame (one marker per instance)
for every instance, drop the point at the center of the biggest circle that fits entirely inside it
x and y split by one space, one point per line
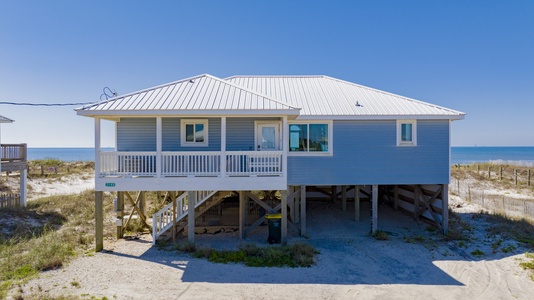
310 138
194 133
406 133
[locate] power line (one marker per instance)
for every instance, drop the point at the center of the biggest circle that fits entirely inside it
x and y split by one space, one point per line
43 104
107 94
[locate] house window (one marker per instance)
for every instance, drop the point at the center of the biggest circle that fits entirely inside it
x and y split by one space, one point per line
310 138
406 133
194 133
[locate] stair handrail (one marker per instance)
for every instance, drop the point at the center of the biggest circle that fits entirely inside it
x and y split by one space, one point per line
162 220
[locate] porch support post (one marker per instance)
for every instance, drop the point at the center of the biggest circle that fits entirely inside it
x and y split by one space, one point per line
284 216
120 214
285 146
242 213
191 201
302 210
357 202
23 187
159 139
343 197
99 221
97 147
374 217
445 208
223 147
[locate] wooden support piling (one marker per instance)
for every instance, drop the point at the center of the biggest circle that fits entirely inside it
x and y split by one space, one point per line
334 193
515 175
174 214
489 172
99 221
357 202
303 210
445 208
119 210
500 173
142 203
23 187
528 177
242 214
343 197
191 196
396 197
374 213
416 203
284 217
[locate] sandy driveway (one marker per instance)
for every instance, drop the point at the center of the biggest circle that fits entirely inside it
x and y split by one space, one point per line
410 265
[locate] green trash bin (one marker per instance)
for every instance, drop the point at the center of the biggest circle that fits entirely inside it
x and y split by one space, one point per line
275 228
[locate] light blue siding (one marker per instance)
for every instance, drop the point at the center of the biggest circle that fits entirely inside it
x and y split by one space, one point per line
240 133
139 134
172 134
365 152
136 134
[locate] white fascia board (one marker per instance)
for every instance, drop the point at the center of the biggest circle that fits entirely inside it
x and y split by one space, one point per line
381 117
196 113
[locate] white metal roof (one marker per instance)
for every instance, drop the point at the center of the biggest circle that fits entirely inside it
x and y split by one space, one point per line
307 97
199 95
5 120
330 98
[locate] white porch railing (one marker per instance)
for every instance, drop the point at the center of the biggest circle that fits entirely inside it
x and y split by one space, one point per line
164 219
127 163
191 163
253 163
234 163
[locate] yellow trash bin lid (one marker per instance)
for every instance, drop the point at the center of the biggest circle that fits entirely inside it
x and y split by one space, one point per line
273 216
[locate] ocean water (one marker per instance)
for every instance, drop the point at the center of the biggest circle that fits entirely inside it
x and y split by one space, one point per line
64 154
459 155
517 155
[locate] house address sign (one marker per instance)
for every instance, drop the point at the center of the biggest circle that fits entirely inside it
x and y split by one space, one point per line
110 184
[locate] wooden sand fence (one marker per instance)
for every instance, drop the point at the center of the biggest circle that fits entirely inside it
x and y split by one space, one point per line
504 204
9 200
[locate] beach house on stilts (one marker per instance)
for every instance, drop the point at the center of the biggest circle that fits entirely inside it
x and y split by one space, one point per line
13 158
201 138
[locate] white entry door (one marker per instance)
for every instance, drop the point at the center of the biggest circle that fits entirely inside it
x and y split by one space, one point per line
267 136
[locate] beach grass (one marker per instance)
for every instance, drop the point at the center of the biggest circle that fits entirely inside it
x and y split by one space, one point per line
44 236
293 256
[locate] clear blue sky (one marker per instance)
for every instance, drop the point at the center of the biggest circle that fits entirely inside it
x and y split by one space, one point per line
472 56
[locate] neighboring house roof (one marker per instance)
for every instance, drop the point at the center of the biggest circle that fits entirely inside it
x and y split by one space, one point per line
199 95
331 98
5 120
307 97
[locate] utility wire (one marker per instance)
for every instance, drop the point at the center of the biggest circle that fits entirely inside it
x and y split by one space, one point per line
107 94
43 104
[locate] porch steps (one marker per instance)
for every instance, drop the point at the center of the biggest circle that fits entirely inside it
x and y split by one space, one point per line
199 211
202 206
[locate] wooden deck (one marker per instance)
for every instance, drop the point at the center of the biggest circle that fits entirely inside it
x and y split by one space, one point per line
13 157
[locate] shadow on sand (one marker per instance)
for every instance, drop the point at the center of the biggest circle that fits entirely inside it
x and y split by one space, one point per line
348 254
